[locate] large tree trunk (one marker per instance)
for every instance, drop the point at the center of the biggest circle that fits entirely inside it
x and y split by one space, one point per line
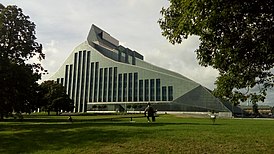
48 112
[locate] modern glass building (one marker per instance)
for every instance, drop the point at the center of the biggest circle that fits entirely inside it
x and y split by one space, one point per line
100 73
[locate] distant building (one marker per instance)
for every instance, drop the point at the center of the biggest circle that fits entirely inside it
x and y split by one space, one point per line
101 73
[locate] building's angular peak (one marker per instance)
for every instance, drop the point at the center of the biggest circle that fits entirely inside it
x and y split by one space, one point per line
98 36
109 46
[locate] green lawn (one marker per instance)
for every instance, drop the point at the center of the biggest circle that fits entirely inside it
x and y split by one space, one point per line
104 134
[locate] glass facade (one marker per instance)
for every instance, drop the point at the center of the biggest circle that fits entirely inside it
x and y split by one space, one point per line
105 72
98 84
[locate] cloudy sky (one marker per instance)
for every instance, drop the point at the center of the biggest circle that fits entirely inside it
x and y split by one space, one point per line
61 25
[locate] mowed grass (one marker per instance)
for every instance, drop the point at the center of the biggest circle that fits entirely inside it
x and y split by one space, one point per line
102 134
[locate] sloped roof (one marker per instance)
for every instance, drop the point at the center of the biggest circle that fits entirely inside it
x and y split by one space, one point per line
200 97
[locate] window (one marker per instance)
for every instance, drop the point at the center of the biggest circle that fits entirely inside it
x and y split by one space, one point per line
100 85
133 60
126 58
119 87
135 92
125 88
115 84
86 82
123 56
82 89
146 90
119 56
91 81
164 93
74 76
105 84
130 59
87 78
152 90
141 90
109 84
78 81
62 81
96 81
70 79
170 93
158 90
130 87
66 77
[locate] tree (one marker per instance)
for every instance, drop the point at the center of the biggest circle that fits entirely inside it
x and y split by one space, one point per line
236 39
55 98
17 75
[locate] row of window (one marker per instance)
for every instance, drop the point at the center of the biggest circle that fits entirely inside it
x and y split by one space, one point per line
86 82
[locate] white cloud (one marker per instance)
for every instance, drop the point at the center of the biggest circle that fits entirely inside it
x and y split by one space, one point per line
63 24
182 58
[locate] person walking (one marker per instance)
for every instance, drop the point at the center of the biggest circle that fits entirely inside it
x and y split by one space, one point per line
213 116
149 112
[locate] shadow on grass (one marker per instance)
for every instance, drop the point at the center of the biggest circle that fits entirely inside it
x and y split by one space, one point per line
102 122
31 138
34 135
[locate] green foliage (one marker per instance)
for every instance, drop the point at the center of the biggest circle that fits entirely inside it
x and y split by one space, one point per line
17 76
54 97
236 38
